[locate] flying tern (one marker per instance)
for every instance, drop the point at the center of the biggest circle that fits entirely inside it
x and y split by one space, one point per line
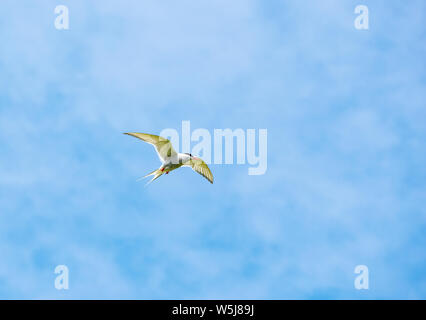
171 159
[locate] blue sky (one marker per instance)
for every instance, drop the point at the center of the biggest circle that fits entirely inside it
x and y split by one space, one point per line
345 112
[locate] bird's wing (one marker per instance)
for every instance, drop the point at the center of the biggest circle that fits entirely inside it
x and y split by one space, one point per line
162 145
200 167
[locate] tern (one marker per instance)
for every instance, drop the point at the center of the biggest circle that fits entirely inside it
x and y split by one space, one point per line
171 159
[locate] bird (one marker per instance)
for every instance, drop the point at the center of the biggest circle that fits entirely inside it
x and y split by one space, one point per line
170 159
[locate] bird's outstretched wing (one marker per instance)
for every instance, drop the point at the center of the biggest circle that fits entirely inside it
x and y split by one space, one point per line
200 167
162 145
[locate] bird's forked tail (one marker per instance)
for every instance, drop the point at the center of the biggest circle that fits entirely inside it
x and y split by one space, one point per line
156 173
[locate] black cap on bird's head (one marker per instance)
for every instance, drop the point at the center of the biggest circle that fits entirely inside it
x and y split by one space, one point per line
192 157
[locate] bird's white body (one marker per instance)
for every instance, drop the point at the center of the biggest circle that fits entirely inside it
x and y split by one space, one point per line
175 161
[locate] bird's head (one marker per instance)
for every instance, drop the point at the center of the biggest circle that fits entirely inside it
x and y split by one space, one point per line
191 156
